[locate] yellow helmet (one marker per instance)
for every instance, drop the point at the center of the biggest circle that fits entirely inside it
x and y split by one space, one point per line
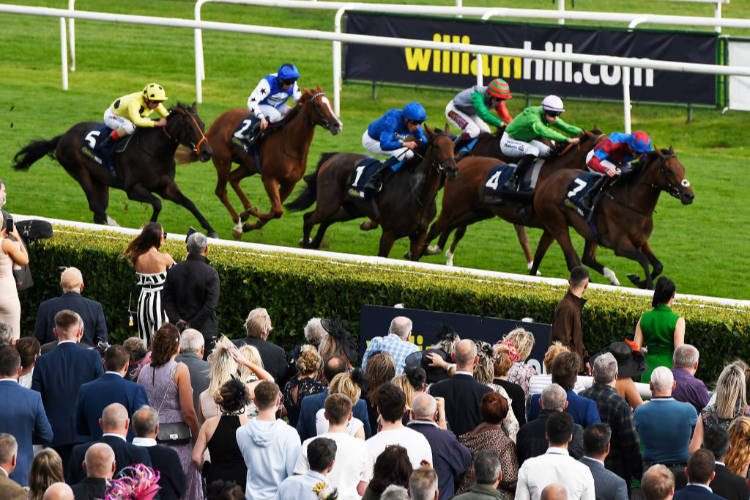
154 92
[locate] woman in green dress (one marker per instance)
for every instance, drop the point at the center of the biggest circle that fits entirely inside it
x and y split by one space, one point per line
660 330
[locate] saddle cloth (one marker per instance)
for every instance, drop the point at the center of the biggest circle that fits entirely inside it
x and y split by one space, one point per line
577 190
360 175
496 182
91 147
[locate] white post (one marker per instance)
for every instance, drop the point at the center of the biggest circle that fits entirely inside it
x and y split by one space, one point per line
717 14
626 97
561 8
64 53
480 70
72 34
198 68
459 3
337 59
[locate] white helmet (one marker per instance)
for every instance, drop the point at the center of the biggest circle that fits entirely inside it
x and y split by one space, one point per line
553 103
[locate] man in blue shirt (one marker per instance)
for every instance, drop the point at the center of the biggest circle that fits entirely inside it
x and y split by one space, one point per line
396 343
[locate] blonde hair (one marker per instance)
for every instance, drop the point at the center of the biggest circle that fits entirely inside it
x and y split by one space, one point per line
258 322
556 348
309 360
402 382
523 340
223 367
71 279
484 370
739 445
343 384
46 469
252 355
329 347
729 389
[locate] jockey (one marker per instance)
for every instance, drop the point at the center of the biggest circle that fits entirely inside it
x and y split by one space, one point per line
470 109
268 100
612 157
130 111
385 136
520 138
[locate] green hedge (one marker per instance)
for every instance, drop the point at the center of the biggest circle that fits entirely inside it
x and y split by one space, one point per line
295 288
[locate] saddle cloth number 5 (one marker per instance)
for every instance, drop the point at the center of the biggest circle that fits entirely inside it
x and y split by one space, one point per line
579 185
91 138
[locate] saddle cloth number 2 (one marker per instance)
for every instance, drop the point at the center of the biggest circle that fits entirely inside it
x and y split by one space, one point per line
579 185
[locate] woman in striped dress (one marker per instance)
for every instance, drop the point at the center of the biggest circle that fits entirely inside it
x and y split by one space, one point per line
151 269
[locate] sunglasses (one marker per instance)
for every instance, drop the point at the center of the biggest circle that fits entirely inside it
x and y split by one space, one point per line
287 82
554 114
415 122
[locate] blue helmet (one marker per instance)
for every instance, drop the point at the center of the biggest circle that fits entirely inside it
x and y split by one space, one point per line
288 72
415 112
640 142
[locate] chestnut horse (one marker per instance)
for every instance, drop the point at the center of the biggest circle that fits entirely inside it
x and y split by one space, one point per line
146 166
405 207
463 202
282 153
623 218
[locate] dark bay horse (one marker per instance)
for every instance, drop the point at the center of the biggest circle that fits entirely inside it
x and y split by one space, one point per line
463 202
147 165
405 206
623 219
282 154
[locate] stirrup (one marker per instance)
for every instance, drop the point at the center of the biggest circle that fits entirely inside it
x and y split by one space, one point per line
374 184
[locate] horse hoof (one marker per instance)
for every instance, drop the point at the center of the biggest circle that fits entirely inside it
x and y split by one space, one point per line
637 280
368 225
112 222
433 250
305 244
610 275
237 231
407 255
212 234
247 227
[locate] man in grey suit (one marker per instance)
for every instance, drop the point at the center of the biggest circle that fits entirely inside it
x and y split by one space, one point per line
192 346
607 484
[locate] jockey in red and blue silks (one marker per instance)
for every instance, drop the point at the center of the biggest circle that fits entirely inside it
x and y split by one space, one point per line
613 157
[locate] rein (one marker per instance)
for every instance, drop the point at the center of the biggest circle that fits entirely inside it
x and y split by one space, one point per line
196 147
672 189
437 165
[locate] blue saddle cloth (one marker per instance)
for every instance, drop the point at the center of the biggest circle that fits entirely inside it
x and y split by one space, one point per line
360 175
104 156
497 181
577 189
245 130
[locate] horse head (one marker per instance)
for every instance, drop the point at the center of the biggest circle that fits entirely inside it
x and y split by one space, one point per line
670 176
589 139
439 151
315 106
185 126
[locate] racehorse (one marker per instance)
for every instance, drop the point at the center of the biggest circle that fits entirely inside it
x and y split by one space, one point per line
623 219
146 166
282 155
463 202
405 207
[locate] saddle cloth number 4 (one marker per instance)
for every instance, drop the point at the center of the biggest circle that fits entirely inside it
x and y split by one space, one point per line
494 180
579 185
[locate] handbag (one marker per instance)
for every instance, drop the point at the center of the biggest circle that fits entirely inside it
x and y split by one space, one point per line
175 433
131 316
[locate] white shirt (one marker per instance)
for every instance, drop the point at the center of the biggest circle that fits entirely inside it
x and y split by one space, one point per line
555 466
415 443
144 442
351 458
321 424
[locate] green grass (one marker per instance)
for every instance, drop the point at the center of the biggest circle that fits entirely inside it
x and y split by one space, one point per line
703 246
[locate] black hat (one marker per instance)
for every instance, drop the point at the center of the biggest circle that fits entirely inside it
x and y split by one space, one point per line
630 363
434 373
337 329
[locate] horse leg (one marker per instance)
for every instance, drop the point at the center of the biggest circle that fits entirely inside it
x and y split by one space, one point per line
222 168
460 232
173 193
276 194
523 239
140 193
655 263
589 259
625 248
235 177
368 225
386 243
341 215
544 243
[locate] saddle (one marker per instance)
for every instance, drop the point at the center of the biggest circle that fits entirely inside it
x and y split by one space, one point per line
578 189
92 147
360 175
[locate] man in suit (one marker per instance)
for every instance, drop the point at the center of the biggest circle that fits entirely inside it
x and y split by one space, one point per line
700 472
107 389
192 348
311 404
657 483
21 414
9 489
115 423
531 440
58 376
164 460
607 485
95 327
461 392
99 466
191 292
258 326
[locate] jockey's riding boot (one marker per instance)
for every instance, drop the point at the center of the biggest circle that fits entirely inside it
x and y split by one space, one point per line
461 140
521 167
108 142
375 183
588 199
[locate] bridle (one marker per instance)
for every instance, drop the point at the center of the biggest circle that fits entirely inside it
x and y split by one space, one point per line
438 165
323 122
672 189
195 147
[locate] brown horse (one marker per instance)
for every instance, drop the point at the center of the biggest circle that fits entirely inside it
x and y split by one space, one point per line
405 207
282 154
623 219
146 166
463 202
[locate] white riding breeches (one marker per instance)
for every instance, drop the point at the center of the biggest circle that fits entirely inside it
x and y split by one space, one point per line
471 125
114 122
373 146
515 148
272 114
605 163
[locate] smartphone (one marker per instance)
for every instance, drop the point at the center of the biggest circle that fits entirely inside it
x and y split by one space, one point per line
9 226
190 231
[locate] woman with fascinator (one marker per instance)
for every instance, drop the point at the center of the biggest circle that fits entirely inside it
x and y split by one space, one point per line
338 342
137 482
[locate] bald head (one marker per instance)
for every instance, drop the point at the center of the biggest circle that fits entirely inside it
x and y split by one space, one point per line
115 419
424 406
59 491
401 326
100 461
554 492
71 280
465 355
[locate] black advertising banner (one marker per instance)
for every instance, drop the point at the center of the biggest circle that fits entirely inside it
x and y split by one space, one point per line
528 75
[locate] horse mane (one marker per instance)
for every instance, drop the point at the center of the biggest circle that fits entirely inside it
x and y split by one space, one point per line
640 167
180 108
292 114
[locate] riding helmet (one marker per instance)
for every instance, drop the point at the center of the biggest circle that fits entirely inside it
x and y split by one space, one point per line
288 71
553 103
415 112
640 142
154 92
499 88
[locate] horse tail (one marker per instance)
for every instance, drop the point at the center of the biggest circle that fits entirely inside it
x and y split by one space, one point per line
185 155
34 151
310 194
